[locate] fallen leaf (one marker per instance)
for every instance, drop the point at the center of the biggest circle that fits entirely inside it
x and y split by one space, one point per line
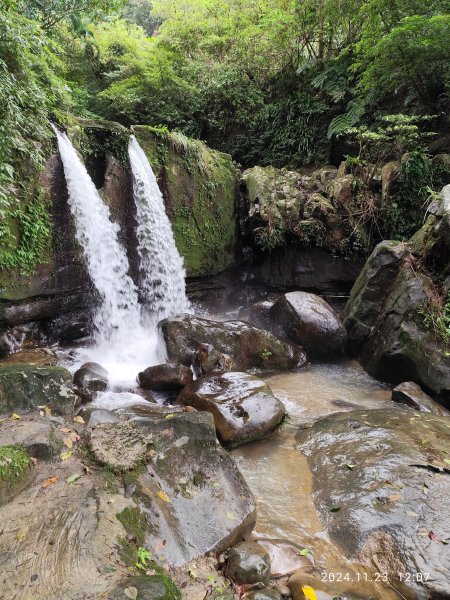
34 460
434 537
73 478
131 592
183 480
170 416
65 455
68 442
411 513
79 419
303 552
164 497
447 461
47 410
21 534
231 516
65 429
395 497
15 417
350 467
192 573
49 481
309 592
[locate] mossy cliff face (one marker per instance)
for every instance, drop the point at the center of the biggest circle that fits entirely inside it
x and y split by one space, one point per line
199 189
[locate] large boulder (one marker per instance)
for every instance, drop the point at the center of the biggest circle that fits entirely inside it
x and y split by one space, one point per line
368 294
243 406
168 376
381 488
236 344
26 387
308 320
190 498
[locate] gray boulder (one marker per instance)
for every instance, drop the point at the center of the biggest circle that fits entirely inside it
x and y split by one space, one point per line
307 320
168 376
243 407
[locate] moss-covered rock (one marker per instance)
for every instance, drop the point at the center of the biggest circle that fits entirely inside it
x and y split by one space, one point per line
15 471
25 387
155 587
199 189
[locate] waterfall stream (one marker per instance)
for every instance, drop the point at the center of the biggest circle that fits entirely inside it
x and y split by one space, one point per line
125 340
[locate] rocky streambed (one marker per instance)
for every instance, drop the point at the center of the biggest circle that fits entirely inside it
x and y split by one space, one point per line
239 469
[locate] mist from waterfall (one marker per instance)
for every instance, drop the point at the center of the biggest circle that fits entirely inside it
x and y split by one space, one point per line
162 282
125 339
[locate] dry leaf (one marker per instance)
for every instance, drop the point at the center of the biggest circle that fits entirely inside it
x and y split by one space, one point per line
164 497
131 592
231 516
395 497
47 410
65 429
68 442
309 592
49 481
21 534
79 419
15 417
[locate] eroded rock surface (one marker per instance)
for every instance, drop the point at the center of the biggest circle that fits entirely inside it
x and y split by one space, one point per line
243 407
246 346
381 486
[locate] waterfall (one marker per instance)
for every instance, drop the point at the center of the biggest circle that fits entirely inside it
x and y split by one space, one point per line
162 282
125 342
106 259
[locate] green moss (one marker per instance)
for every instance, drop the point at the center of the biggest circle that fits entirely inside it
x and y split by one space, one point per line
134 523
14 461
14 471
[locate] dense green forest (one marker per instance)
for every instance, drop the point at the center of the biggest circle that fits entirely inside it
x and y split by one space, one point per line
282 82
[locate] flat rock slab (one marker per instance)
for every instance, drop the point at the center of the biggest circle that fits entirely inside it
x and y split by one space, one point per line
243 407
308 320
381 485
190 498
25 387
237 345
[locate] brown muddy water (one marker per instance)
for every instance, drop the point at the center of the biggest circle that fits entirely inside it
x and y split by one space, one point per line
281 481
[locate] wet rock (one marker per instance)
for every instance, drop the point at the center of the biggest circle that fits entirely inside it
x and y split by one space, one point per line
101 416
412 395
37 435
243 407
25 387
91 378
119 446
308 320
144 587
191 494
284 557
368 294
40 356
259 314
265 594
248 563
390 509
283 590
15 472
246 346
169 376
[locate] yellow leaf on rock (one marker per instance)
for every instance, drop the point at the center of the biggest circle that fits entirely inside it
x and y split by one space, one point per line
15 417
309 592
164 497
65 455
21 534
79 419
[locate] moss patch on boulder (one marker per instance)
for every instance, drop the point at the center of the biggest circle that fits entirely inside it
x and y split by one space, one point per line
199 189
14 471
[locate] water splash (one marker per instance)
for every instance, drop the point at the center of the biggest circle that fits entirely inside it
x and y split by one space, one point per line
162 283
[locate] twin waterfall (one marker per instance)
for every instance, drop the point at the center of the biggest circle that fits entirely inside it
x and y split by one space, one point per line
126 339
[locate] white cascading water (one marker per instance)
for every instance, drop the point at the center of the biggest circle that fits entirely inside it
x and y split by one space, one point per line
162 273
123 345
